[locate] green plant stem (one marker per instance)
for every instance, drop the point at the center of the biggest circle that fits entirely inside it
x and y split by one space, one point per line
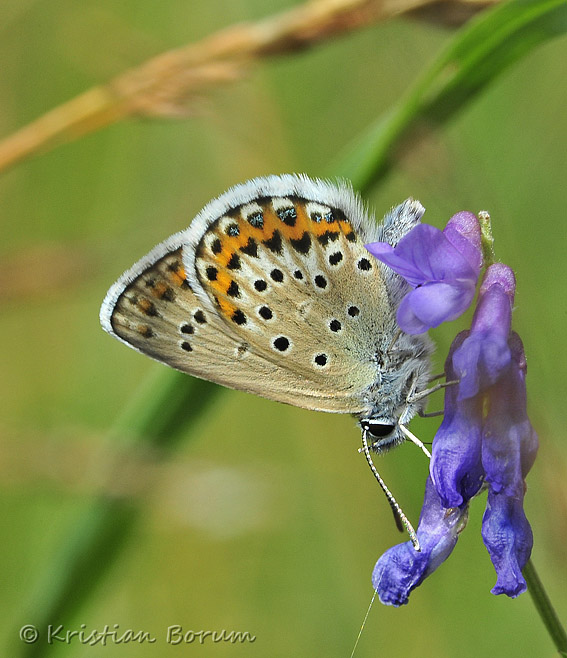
545 608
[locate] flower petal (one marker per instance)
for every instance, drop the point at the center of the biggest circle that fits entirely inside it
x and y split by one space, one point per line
456 462
441 266
508 537
408 320
399 262
509 443
401 569
485 356
480 361
424 255
493 313
501 274
433 303
463 232
528 438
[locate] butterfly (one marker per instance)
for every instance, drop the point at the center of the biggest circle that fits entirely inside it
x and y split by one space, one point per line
270 290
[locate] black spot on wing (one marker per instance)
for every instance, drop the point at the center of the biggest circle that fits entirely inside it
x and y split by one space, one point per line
326 237
238 317
233 290
234 262
335 258
303 244
250 248
274 244
287 215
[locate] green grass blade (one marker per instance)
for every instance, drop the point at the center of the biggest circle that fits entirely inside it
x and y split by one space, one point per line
477 55
154 422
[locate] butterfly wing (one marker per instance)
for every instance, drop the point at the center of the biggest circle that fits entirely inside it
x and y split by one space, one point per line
153 309
270 291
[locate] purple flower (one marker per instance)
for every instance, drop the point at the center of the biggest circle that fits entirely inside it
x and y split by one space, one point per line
499 445
455 462
401 569
486 441
477 358
485 353
508 538
509 447
442 267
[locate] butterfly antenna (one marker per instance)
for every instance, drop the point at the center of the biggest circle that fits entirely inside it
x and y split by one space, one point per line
401 519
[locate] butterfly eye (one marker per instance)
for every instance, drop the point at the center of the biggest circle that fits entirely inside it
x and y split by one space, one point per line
376 429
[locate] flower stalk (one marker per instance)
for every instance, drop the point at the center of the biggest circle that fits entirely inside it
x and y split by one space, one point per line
545 608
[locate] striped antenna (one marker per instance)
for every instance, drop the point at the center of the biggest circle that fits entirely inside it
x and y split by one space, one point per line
399 515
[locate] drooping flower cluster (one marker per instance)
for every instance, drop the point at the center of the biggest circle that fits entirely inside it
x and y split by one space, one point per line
486 440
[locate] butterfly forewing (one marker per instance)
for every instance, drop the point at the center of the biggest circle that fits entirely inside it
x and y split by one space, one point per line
292 278
270 291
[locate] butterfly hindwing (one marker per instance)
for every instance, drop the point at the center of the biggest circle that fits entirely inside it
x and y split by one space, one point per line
153 309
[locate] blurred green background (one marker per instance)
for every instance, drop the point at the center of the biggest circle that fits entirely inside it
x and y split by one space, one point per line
268 520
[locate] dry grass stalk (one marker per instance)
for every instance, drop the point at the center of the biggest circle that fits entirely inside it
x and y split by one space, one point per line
165 85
